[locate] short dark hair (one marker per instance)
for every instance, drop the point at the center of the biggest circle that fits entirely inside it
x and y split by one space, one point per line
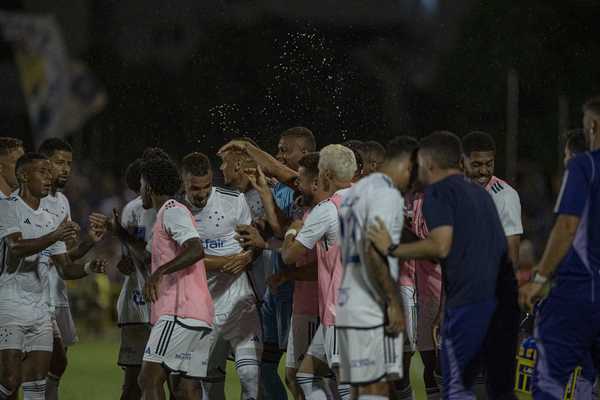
575 141
305 134
27 159
374 147
478 141
444 148
401 146
162 176
592 105
310 162
133 174
9 144
52 145
196 164
154 152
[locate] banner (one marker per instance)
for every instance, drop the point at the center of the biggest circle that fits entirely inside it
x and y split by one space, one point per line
60 95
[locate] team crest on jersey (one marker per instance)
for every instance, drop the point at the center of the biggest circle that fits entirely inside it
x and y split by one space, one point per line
138 298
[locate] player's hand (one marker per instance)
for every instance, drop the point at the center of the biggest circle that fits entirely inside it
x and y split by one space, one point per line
67 232
379 236
96 232
276 280
239 145
98 266
126 266
529 294
395 318
297 225
249 236
239 263
258 180
152 286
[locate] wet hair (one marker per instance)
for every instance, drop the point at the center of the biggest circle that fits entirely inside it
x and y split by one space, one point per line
52 145
374 147
478 141
196 164
299 132
401 146
133 174
162 176
444 148
575 141
28 158
9 144
310 163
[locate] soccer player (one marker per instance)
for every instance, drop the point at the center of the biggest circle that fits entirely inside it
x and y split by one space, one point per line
337 166
237 326
374 157
370 314
182 310
60 155
276 309
304 275
359 149
479 162
31 238
574 144
11 150
568 321
466 234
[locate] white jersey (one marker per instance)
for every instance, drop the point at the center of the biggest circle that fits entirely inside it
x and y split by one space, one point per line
360 304
58 206
24 284
131 306
508 204
216 224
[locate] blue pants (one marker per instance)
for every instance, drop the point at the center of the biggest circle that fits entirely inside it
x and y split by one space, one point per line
464 334
567 335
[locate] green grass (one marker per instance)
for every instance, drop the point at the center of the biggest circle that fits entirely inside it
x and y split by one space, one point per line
94 375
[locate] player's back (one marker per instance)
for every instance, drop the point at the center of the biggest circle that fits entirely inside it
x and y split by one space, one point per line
360 304
479 246
580 196
216 224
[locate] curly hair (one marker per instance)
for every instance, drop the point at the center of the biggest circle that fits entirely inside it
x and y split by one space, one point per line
161 176
133 174
8 144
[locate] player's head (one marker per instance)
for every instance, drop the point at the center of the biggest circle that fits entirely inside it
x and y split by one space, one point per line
574 144
479 156
197 175
400 160
294 144
308 178
439 154
359 149
591 123
154 152
34 173
60 154
337 166
234 165
132 175
11 150
159 178
374 157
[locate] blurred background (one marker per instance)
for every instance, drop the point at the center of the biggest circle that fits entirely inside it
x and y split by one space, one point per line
116 76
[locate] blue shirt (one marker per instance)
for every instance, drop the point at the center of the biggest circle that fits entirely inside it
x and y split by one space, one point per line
284 199
470 271
577 274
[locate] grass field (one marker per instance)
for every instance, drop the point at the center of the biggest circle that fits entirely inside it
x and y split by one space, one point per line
94 375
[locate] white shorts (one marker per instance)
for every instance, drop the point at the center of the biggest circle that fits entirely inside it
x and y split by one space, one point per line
180 349
302 332
324 346
27 338
369 355
134 338
409 301
66 326
240 335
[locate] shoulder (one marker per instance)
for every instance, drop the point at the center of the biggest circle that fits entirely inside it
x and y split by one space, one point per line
501 190
224 192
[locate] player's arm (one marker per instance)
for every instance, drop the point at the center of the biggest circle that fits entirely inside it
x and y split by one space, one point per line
305 273
85 245
273 215
514 244
70 270
510 216
267 162
100 223
292 249
22 248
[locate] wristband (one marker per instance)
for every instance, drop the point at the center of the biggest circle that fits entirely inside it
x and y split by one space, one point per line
392 249
87 268
289 232
539 279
